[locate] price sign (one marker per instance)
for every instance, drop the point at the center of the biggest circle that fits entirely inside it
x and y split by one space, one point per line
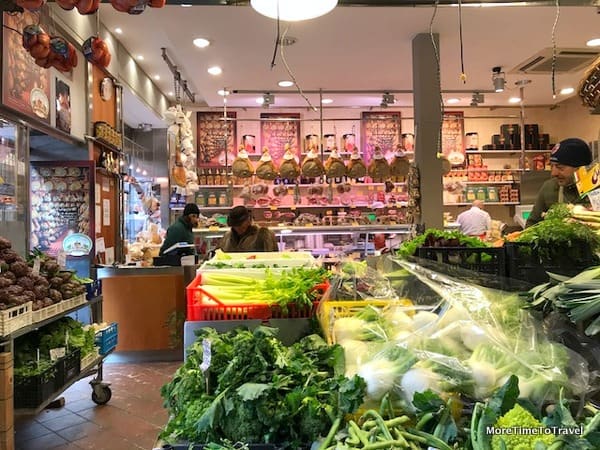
57 353
36 266
273 208
213 228
293 208
206 355
308 225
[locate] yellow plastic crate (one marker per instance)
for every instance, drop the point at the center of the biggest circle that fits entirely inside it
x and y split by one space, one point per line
330 310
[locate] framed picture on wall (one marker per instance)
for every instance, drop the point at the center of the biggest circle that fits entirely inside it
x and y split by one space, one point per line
278 129
63 106
216 139
379 129
25 85
453 137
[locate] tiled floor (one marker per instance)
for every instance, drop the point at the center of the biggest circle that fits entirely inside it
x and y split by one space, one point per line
131 420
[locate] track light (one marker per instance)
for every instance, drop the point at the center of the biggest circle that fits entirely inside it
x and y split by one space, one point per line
268 99
387 99
477 99
498 79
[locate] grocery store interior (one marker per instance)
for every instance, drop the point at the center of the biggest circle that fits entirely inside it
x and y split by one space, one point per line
275 224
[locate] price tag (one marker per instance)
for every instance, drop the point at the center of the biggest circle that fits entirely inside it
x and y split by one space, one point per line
392 223
594 197
57 353
308 225
36 266
273 208
354 224
293 208
352 207
61 259
370 188
213 228
329 212
206 355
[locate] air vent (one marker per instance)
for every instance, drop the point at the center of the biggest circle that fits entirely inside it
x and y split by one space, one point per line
567 60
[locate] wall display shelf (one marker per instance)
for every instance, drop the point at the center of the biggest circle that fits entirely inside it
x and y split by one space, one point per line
505 152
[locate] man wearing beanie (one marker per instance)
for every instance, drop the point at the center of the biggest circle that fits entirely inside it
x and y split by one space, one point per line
244 236
565 159
181 229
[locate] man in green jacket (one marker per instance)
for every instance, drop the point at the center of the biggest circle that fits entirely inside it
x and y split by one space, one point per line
181 230
566 158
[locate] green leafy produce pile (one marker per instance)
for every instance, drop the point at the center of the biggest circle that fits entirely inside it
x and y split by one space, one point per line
557 239
51 336
259 391
439 238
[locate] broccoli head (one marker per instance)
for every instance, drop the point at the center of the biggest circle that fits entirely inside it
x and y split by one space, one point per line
515 419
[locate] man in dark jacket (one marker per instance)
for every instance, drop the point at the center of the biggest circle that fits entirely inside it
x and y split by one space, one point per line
566 158
181 229
244 236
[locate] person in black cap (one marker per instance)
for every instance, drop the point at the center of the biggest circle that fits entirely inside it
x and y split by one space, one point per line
244 236
566 157
181 229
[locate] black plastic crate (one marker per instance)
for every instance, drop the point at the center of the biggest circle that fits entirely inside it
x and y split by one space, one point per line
31 392
525 262
69 367
488 260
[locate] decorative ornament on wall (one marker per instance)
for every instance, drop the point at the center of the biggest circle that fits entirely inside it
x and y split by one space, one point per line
181 150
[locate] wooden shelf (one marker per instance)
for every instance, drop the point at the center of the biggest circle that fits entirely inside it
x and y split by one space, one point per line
503 152
103 144
291 186
292 207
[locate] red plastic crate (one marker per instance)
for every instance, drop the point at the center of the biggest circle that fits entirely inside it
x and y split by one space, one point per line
203 306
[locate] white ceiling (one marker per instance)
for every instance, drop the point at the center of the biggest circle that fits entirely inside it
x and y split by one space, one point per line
351 49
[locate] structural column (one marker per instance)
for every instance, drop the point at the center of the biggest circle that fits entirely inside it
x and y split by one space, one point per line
428 117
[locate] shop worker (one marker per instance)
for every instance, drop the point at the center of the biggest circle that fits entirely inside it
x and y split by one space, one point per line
244 236
566 157
181 229
475 221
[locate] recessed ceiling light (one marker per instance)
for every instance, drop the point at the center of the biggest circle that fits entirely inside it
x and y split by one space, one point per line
259 100
156 77
186 5
452 101
140 57
514 100
223 92
567 91
285 83
215 70
201 42
118 30
593 42
327 101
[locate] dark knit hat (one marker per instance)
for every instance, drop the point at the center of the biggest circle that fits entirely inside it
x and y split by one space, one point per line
191 208
571 152
238 216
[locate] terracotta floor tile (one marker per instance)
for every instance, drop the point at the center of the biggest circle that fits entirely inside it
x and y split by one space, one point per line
79 431
47 442
30 429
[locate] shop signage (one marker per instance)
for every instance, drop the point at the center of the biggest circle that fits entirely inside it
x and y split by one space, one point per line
278 129
77 244
379 129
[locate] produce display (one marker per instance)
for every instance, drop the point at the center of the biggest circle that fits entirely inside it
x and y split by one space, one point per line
253 389
439 238
420 360
19 285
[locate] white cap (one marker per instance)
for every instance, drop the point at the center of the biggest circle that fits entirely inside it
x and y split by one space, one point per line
288 155
243 154
266 156
312 154
335 153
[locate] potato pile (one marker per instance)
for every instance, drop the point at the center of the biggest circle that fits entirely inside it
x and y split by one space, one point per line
19 285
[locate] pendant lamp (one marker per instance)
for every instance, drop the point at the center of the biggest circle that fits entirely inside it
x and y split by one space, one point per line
293 10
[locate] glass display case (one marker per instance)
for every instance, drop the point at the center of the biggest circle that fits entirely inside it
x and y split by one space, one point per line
13 185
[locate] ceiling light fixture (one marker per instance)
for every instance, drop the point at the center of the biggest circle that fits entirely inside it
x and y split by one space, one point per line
593 42
201 42
215 70
452 101
293 10
186 5
567 91
285 83
140 57
259 100
156 77
170 93
268 100
327 101
477 99
514 100
498 79
387 99
118 30
223 92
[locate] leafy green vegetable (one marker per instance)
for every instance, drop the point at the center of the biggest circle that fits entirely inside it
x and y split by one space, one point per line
257 390
439 238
